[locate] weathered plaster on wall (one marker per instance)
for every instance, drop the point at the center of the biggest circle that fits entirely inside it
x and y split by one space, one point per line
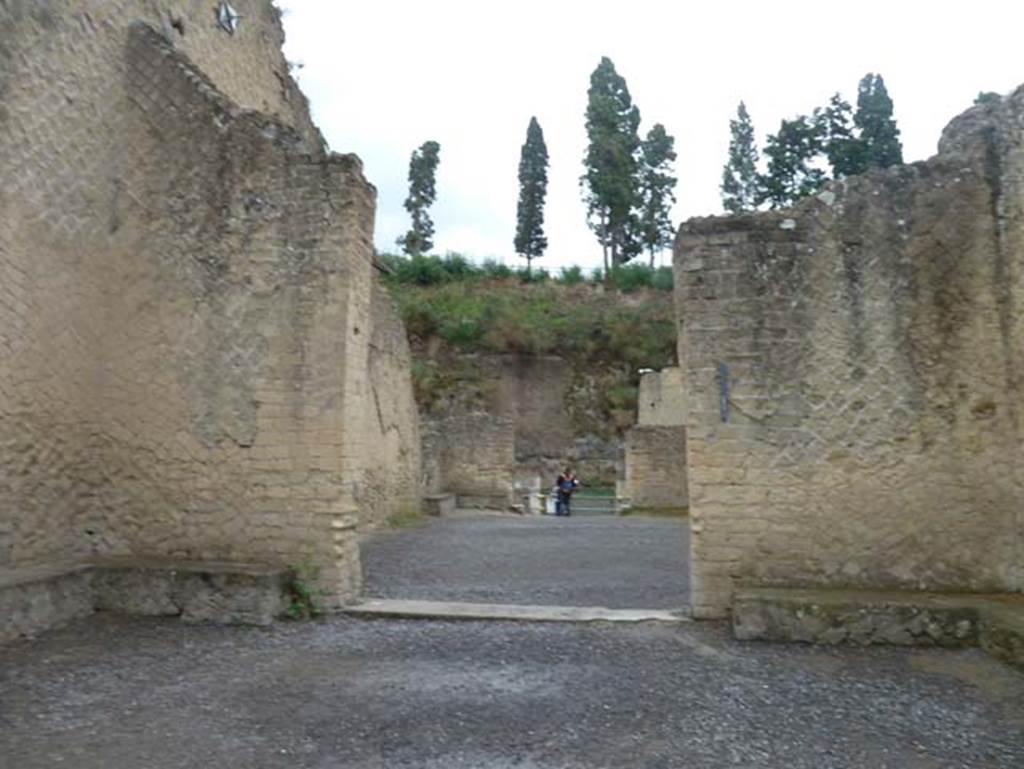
393 479
662 398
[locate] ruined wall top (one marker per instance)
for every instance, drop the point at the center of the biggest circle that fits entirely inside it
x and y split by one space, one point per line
245 63
984 133
974 128
854 367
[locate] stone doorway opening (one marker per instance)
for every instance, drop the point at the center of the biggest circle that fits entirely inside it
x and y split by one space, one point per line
477 557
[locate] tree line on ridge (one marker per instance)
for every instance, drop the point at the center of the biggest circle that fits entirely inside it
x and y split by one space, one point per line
833 142
628 182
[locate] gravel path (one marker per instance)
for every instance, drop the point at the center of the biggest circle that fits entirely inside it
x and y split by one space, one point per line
116 693
619 563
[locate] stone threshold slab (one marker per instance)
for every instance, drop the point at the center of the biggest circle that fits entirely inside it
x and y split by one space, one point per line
406 609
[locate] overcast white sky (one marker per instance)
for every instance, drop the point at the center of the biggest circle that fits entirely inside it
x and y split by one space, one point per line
385 76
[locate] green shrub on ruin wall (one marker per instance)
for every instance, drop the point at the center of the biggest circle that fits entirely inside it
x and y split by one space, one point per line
305 598
436 382
623 397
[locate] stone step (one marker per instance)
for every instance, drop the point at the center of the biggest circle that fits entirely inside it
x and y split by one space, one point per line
995 622
498 500
38 598
197 591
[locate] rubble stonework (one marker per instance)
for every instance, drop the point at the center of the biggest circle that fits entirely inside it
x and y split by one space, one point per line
854 369
471 454
546 407
185 296
993 622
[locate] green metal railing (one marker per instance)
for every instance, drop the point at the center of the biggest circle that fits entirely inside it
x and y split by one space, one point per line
581 504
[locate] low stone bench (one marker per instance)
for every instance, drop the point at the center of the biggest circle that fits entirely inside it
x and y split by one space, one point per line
38 598
1002 631
35 599
995 622
484 500
439 504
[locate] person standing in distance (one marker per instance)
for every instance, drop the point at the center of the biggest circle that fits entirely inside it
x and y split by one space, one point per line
565 485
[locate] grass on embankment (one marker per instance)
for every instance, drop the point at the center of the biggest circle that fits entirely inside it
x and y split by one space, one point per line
657 512
583 322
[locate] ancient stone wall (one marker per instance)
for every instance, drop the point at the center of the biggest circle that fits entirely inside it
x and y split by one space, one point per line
185 294
662 399
548 406
471 454
854 369
392 480
552 403
655 450
656 466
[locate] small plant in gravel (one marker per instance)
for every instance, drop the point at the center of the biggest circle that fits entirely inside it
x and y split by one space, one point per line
305 598
406 517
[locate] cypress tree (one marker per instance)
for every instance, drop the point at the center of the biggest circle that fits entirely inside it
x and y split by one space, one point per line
610 178
657 190
530 241
422 193
741 184
877 126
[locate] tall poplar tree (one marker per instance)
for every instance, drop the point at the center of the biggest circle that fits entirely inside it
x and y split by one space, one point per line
657 190
741 184
422 193
610 178
876 124
530 241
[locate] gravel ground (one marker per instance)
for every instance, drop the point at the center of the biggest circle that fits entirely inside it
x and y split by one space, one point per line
118 693
619 563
